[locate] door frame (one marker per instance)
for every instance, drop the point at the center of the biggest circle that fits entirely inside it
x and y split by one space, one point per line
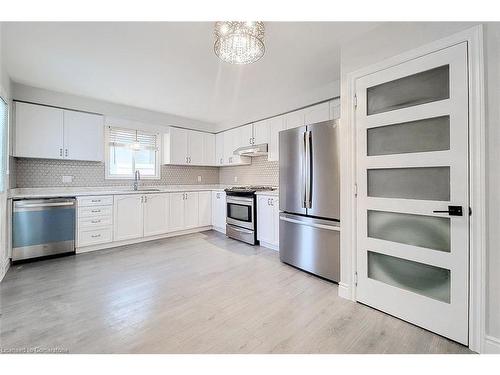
477 181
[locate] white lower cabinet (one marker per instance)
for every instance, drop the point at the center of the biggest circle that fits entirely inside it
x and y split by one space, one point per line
268 221
204 208
219 211
95 220
176 216
128 217
156 213
191 207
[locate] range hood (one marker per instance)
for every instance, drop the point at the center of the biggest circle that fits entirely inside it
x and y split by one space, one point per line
252 150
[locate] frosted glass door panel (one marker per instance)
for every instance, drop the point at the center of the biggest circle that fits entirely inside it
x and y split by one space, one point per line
427 183
424 87
417 230
424 279
431 134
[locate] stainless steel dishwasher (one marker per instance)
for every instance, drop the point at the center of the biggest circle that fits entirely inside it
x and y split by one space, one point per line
43 227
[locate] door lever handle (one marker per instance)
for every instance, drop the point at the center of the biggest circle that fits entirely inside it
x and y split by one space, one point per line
452 211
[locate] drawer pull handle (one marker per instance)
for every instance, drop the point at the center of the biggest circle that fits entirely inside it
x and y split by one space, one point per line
95 211
95 236
95 221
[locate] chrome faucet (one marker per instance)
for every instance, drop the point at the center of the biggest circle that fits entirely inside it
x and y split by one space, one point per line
137 178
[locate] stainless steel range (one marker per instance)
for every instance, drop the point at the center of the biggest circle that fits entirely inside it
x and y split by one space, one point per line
241 212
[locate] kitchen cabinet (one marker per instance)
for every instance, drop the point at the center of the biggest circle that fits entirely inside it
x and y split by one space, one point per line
191 210
234 139
176 215
128 217
188 147
244 135
219 149
219 211
204 208
83 136
317 113
294 119
209 149
276 124
335 109
95 220
55 133
268 221
156 213
261 132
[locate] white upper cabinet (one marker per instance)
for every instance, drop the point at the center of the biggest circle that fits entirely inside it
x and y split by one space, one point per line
195 148
245 135
294 119
39 131
233 139
54 133
204 208
317 113
188 147
276 124
175 146
209 149
83 136
261 132
219 149
335 109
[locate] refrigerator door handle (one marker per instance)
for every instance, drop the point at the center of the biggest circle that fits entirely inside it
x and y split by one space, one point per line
308 169
304 170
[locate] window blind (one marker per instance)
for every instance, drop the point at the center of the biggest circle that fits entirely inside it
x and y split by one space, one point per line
119 137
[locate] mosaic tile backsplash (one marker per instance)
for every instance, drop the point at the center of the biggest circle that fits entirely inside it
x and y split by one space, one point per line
32 173
260 172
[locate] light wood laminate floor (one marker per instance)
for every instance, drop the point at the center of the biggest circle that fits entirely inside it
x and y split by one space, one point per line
199 293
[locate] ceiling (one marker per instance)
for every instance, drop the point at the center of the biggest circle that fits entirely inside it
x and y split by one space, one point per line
170 67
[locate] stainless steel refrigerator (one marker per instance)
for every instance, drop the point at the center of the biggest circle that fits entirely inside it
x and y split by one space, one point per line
310 199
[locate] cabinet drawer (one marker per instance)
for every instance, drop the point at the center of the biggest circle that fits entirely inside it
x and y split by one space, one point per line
88 237
98 221
95 201
95 211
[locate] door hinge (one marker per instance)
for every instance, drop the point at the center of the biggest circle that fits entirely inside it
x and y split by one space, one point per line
356 190
355 278
355 101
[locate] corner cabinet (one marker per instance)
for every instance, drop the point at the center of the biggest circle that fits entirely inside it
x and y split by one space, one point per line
55 133
268 221
188 147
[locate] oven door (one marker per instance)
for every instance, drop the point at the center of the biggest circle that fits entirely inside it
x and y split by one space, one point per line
240 212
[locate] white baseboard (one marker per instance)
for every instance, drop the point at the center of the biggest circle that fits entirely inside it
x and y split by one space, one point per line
345 291
491 345
269 246
4 268
110 245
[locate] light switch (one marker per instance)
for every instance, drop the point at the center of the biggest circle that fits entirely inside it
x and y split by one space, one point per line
67 179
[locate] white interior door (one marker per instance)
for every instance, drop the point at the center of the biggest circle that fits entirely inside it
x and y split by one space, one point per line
412 160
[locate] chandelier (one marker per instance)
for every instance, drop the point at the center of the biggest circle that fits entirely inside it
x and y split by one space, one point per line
239 42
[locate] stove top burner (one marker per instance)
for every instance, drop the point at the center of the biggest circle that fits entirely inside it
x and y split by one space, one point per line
248 189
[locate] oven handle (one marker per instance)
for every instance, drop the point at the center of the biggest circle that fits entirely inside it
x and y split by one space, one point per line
247 231
239 200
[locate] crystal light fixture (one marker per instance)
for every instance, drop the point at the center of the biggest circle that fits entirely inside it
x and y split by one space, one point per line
239 42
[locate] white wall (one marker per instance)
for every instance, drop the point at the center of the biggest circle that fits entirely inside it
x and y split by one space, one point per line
392 39
112 110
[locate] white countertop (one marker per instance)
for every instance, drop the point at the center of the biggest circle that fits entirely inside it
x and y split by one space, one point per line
48 192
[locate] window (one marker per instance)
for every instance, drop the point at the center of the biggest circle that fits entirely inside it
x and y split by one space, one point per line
4 112
131 150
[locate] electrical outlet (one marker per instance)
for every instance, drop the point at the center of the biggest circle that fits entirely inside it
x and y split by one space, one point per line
199 178
235 178
67 179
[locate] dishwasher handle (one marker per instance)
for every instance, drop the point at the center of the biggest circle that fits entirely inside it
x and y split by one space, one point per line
32 205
